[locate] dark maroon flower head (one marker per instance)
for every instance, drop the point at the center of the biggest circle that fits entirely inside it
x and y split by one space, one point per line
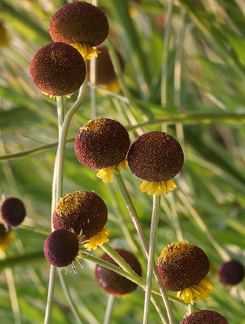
231 272
155 157
204 317
83 212
105 72
13 211
61 248
101 143
57 69
79 22
182 265
112 282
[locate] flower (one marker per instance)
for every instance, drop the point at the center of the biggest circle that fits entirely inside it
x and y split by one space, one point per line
85 213
156 157
204 317
111 282
4 37
6 237
81 25
102 145
13 211
61 248
105 73
231 272
57 69
183 268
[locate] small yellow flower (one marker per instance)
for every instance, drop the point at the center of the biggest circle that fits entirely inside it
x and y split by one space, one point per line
97 240
85 50
196 292
6 238
106 174
157 188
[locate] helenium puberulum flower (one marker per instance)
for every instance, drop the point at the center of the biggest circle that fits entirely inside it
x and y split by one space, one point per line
102 145
105 73
231 272
111 282
204 317
81 25
13 211
183 268
85 213
61 248
57 69
156 157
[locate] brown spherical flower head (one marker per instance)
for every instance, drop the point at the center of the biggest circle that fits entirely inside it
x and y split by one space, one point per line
61 248
156 157
57 69
81 211
6 237
111 282
105 73
13 211
182 266
231 272
204 317
80 24
102 144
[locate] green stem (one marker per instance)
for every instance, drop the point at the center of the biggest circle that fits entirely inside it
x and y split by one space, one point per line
69 298
109 306
135 219
152 245
195 118
13 295
167 30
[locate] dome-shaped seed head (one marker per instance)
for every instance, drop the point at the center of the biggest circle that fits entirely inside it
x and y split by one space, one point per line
204 317
182 265
79 22
13 211
83 212
57 69
112 282
105 72
61 248
101 143
231 272
155 157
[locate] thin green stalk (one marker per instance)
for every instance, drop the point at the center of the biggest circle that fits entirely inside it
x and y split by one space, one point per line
69 298
167 30
152 245
135 219
109 307
88 256
13 295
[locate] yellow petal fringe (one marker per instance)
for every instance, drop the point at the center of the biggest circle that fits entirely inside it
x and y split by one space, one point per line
6 241
157 188
113 86
106 174
97 240
197 292
85 50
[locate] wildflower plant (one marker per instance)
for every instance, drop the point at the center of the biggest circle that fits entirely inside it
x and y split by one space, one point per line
152 102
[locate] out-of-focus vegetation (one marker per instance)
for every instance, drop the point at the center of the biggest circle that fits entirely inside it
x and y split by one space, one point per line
192 84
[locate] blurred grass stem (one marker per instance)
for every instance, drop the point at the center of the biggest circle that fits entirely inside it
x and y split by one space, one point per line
109 307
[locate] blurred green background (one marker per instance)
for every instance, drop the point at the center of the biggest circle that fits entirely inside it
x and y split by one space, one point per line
185 64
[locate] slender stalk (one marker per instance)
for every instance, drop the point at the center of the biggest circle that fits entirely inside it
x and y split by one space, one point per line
55 188
88 256
69 298
13 295
167 30
153 237
144 245
189 309
109 306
